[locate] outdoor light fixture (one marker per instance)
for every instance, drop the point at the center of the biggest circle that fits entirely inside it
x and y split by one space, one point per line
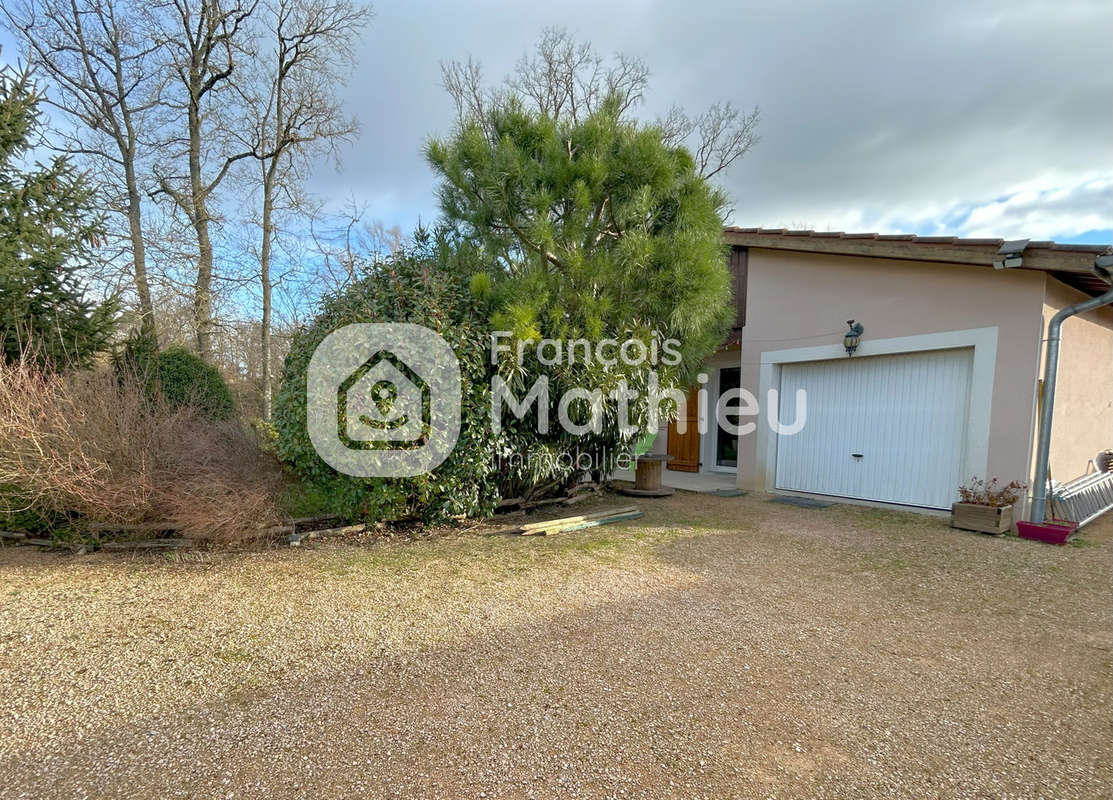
1010 254
852 337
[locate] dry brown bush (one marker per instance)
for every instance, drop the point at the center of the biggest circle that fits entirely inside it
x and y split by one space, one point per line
101 450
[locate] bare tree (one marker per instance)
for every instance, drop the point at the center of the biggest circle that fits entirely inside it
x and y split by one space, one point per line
294 113
345 242
463 80
723 134
563 79
567 79
205 39
103 72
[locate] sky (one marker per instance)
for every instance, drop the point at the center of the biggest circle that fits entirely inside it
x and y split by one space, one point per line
967 118
971 118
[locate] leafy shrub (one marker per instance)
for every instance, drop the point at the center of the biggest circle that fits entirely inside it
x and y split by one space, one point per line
425 285
435 284
136 358
18 513
175 375
184 379
305 500
92 447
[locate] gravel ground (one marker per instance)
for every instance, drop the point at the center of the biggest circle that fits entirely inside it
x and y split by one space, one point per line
719 647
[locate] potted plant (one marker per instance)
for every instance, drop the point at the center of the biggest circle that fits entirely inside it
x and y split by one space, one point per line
985 506
1054 531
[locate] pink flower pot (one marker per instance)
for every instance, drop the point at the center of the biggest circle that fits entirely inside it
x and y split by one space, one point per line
1055 532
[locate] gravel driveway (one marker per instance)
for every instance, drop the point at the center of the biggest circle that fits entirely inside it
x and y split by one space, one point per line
719 647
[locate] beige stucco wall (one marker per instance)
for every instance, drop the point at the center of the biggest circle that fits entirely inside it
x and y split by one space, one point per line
1083 414
799 300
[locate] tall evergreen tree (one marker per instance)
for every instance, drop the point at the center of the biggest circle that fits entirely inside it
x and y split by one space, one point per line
48 228
597 229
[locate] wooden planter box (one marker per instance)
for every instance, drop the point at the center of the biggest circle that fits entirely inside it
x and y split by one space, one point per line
987 519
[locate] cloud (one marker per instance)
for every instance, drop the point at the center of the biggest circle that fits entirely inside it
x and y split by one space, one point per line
1057 213
954 117
1053 207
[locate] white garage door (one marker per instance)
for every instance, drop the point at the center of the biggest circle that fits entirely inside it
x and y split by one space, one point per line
888 428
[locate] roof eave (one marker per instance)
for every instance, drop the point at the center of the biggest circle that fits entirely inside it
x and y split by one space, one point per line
1044 256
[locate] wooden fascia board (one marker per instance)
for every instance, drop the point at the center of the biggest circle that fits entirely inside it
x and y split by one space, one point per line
975 255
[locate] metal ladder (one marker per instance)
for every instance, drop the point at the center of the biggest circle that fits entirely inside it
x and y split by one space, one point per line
1085 499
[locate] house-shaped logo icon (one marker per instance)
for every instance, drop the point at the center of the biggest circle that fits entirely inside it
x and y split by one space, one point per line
383 401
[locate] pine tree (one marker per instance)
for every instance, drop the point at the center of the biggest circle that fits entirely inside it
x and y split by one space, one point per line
48 228
597 227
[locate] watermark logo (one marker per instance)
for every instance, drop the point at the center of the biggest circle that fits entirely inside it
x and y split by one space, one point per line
383 400
653 399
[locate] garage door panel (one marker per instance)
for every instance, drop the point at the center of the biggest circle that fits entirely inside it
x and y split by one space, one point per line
906 415
807 462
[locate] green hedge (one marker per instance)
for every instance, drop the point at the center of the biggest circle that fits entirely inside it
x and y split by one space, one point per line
424 286
186 380
177 376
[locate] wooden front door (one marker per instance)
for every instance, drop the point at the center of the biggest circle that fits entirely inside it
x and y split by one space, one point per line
684 447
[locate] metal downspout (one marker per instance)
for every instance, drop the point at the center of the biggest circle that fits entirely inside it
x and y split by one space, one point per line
1051 370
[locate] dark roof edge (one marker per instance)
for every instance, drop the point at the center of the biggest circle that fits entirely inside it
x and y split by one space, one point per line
1046 256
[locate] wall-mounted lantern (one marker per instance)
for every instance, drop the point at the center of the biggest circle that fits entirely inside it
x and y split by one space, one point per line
1010 255
853 336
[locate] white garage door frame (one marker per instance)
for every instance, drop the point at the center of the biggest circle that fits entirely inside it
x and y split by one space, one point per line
979 410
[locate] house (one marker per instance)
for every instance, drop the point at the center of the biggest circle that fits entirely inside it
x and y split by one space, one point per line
943 385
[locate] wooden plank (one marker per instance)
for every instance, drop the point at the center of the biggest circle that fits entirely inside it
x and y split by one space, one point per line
139 527
320 534
13 535
149 544
579 518
295 539
593 523
575 525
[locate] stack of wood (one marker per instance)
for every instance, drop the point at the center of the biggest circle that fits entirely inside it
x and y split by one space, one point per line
296 531
576 523
526 502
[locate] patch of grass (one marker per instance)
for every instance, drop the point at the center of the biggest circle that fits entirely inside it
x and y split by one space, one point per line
235 655
490 558
883 519
1078 541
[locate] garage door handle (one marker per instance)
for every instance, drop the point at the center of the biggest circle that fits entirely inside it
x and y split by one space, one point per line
855 455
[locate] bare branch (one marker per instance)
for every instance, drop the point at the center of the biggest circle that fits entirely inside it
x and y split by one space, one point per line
725 135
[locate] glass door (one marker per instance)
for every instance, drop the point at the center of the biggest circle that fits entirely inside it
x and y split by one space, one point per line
726 444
